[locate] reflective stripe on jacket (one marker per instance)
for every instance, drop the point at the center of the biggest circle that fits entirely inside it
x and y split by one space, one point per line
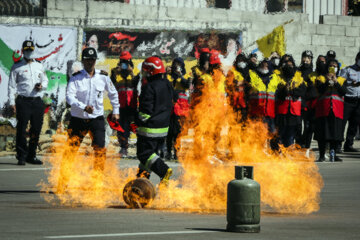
262 97
330 103
294 105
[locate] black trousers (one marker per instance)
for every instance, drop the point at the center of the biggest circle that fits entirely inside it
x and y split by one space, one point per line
309 127
127 115
351 115
78 128
28 109
147 152
322 146
174 131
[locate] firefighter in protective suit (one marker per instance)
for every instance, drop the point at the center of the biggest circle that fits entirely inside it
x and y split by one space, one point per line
155 105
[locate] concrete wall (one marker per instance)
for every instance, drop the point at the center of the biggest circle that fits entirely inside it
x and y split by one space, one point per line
339 33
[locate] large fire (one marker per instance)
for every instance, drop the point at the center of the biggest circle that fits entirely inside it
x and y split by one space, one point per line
211 144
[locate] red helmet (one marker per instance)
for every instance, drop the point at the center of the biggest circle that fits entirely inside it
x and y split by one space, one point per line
153 65
214 58
114 125
125 55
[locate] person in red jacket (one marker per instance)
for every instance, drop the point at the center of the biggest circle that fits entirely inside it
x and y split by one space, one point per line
288 101
329 111
123 79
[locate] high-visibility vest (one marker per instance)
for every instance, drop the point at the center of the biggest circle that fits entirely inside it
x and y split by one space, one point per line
330 102
262 97
289 104
125 91
182 106
235 90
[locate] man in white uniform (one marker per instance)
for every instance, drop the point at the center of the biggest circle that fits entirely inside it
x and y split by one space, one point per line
85 95
27 80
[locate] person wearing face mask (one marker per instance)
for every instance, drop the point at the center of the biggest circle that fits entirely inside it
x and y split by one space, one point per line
153 120
351 102
262 88
181 103
329 111
274 63
27 82
123 79
306 68
200 75
253 61
236 84
288 101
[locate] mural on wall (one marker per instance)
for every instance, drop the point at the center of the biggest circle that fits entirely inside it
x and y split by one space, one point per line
54 48
166 44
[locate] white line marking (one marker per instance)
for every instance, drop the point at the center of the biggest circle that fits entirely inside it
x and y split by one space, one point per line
126 234
23 169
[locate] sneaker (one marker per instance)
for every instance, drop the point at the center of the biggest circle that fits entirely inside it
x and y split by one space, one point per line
34 160
321 159
123 152
350 149
165 179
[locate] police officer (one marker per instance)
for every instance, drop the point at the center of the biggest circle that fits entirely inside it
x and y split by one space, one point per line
85 93
351 102
28 80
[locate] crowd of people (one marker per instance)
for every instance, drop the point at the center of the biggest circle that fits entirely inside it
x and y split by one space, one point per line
295 102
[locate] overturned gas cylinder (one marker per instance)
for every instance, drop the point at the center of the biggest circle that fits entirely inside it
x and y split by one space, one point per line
138 193
243 202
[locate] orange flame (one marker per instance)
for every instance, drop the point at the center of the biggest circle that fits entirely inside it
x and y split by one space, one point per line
212 142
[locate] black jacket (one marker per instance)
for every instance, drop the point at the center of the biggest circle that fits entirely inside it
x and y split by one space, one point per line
155 106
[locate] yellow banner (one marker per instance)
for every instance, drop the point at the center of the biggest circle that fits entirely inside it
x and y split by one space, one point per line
273 42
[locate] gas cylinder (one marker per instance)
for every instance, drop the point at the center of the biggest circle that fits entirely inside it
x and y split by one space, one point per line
243 202
138 193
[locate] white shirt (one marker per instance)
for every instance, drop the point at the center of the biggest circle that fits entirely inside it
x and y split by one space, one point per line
83 90
23 78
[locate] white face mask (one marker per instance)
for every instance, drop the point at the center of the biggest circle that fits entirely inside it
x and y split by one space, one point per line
242 65
178 69
336 69
264 71
276 61
28 54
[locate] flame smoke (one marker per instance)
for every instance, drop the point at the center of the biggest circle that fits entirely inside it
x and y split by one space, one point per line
211 143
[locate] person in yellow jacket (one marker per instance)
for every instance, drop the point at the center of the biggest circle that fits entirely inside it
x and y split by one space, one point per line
236 86
200 77
288 101
262 87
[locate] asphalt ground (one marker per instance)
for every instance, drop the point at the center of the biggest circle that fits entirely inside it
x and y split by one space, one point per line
26 215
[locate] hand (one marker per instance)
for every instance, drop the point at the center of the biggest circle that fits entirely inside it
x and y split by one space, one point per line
13 108
38 87
89 109
115 117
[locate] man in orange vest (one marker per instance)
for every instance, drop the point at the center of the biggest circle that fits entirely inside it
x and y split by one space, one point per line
123 79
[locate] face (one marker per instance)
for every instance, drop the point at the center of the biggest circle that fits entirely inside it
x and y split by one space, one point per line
306 60
253 60
89 64
333 64
264 66
322 59
206 65
289 64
